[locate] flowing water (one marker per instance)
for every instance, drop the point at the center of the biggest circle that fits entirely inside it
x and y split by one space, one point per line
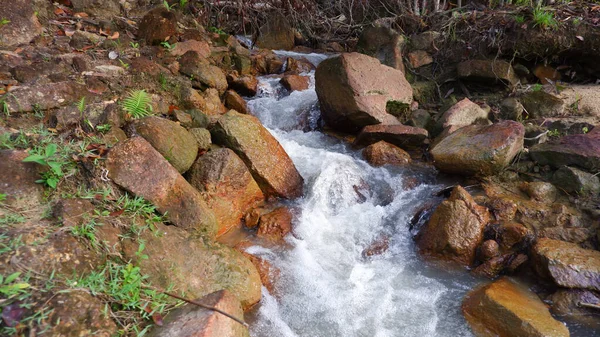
326 287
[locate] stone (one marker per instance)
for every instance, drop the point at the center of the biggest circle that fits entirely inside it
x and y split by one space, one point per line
268 274
384 153
183 118
573 180
193 321
540 191
566 302
546 74
73 212
512 109
23 25
202 137
208 102
200 47
268 162
295 82
140 169
405 137
507 308
266 62
377 247
276 34
492 267
540 104
535 134
235 102
455 228
479 150
170 139
488 71
512 235
577 150
461 114
567 264
489 249
107 9
44 96
503 209
158 25
354 89
298 66
246 85
226 185
275 225
419 118
419 58
425 41
18 179
203 74
383 43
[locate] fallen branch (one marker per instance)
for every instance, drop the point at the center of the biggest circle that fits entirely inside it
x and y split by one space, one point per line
589 305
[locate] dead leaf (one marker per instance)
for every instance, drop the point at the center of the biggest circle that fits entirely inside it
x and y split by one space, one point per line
579 37
69 32
81 15
59 12
117 213
114 36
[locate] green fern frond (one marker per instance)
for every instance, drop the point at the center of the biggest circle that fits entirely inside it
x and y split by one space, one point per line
138 104
81 105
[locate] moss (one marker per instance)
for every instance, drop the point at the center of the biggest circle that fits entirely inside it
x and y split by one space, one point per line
399 109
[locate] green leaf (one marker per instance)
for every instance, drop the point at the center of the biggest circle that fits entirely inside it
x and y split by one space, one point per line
52 182
21 285
56 167
50 150
35 158
12 277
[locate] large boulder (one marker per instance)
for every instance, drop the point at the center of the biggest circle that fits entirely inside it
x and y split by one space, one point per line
175 143
44 96
106 9
481 150
268 162
578 150
227 186
203 74
354 89
488 71
158 25
461 114
567 264
573 180
276 33
507 308
406 137
455 228
137 167
383 43
23 25
194 321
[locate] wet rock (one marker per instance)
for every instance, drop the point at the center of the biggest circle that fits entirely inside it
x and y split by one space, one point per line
578 150
246 85
275 225
461 114
298 66
489 249
540 104
18 179
354 89
405 137
45 96
266 62
203 74
268 274
511 108
276 34
503 209
99 8
568 234
73 212
377 247
295 82
79 314
268 162
136 166
226 185
158 25
384 153
488 71
492 267
512 234
383 43
479 150
235 102
202 137
419 58
194 266
23 25
540 191
567 264
170 139
193 321
573 180
455 228
567 302
200 47
507 308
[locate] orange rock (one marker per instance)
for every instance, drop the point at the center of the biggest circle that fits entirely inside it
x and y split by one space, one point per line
268 274
419 58
546 74
234 101
295 82
384 153
274 226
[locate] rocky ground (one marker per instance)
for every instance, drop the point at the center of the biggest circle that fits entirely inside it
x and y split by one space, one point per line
130 164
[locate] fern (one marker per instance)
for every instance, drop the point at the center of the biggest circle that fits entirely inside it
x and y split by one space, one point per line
81 105
138 104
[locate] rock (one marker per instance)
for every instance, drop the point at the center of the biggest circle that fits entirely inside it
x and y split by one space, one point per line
540 104
268 162
183 118
461 114
235 102
566 302
405 137
73 212
23 25
511 108
268 274
383 43
18 179
567 264
535 134
276 34
202 137
44 96
208 102
158 25
200 47
266 62
419 118
573 180
384 153
194 266
425 41
377 247
488 71
512 235
507 308
107 9
540 191
79 314
579 150
546 74
354 89
479 150
455 228
137 167
503 209
246 85
203 74
298 66
568 234
193 321
419 58
492 267
295 82
275 225
226 185
170 139
489 249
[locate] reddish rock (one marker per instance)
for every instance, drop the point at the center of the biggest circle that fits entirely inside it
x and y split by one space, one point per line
405 137
194 321
226 185
512 233
107 9
23 25
489 249
275 225
200 47
384 153
546 74
567 302
488 71
492 267
73 212
540 191
144 65
136 166
208 101
353 91
377 247
268 162
235 102
246 85
18 179
461 114
479 150
419 58
268 274
45 96
455 228
567 264
203 74
295 82
298 66
266 62
503 209
579 150
158 25
507 308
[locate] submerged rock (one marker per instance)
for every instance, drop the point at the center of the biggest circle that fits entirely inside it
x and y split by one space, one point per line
507 308
354 89
275 225
405 137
